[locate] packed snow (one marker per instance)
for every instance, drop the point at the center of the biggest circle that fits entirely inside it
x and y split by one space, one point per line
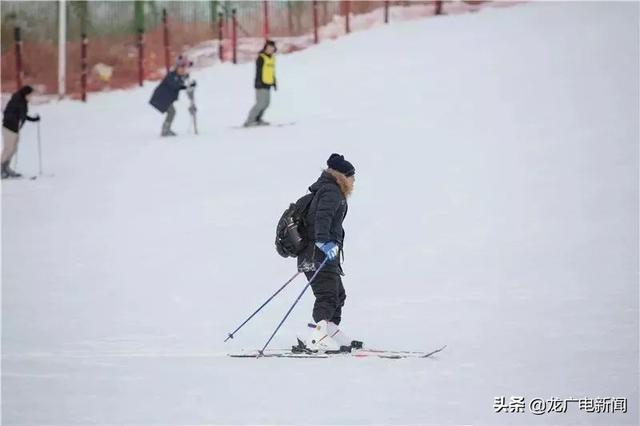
495 211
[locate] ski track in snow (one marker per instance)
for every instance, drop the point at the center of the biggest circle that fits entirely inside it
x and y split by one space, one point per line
495 211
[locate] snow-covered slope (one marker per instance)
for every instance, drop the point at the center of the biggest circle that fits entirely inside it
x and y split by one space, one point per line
495 211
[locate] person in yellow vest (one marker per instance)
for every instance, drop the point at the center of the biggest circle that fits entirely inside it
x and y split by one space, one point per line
265 80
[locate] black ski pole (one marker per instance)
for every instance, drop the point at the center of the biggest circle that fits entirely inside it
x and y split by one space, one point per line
230 335
261 352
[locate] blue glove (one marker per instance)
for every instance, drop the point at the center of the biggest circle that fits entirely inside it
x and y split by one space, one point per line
330 249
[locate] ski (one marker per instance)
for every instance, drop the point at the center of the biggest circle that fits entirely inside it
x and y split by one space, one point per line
21 178
360 353
285 354
192 105
285 124
400 354
288 123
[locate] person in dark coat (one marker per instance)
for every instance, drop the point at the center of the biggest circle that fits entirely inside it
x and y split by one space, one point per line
324 231
264 81
167 93
15 114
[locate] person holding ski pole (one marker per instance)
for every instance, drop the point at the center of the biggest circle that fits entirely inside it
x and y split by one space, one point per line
168 90
264 81
15 114
325 236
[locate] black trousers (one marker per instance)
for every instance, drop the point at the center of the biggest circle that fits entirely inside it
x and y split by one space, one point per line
330 296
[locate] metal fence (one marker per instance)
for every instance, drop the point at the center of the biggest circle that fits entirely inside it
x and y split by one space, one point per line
126 42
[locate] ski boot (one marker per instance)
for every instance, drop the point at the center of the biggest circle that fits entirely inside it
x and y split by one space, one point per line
321 342
301 348
341 338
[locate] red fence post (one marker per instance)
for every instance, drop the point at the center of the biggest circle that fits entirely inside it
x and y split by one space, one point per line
165 28
84 67
140 56
386 12
315 22
19 72
347 9
265 22
438 4
220 37
234 36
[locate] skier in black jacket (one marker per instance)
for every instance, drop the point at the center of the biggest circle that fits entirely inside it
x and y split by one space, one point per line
167 93
325 234
15 114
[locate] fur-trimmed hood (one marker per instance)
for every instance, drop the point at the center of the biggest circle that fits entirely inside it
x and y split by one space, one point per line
333 176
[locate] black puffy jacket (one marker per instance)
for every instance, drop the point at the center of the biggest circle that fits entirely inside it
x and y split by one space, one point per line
16 110
167 91
323 223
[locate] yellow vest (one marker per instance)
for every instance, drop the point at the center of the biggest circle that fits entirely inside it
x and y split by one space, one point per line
268 69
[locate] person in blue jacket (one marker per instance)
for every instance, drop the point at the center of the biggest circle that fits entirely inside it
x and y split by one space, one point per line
168 90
